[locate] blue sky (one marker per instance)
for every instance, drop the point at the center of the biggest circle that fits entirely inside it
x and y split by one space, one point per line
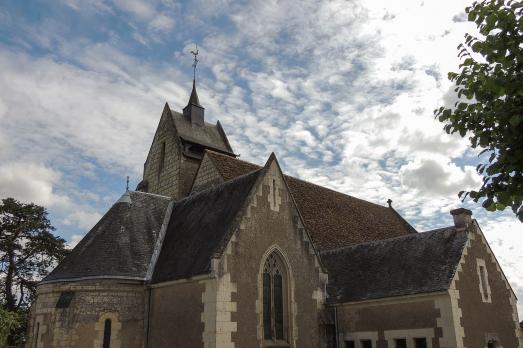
341 91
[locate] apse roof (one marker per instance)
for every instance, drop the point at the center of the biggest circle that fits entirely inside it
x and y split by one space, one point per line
120 244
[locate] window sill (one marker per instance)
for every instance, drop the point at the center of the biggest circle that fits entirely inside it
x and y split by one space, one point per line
275 344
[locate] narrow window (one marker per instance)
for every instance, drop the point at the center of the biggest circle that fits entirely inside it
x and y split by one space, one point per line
278 306
400 343
267 304
483 281
420 342
274 191
37 333
366 343
492 344
161 164
350 344
107 333
274 299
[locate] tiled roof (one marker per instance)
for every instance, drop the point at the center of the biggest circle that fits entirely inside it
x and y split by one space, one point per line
120 244
412 264
333 219
208 135
199 228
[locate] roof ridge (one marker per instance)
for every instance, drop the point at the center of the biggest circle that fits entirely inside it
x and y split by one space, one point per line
173 112
212 152
150 194
302 180
338 192
439 229
216 187
381 241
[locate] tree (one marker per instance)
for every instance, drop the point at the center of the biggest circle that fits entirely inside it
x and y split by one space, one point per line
490 102
9 322
28 251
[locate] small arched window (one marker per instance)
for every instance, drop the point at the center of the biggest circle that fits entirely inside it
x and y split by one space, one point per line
107 333
275 316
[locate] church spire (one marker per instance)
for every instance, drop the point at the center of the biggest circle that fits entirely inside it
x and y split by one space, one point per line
194 111
194 96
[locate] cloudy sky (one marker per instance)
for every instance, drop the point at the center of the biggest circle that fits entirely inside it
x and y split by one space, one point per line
342 91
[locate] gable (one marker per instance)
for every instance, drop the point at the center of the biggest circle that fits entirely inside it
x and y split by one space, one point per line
333 219
161 169
483 294
206 176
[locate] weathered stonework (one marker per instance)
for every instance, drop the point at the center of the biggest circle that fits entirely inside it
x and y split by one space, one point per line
207 175
271 222
78 325
383 320
162 167
445 321
116 327
480 319
175 314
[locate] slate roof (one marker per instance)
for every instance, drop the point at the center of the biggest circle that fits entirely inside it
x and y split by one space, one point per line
198 228
333 219
412 264
120 244
193 99
208 135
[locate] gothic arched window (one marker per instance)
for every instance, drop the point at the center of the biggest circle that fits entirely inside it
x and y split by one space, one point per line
275 315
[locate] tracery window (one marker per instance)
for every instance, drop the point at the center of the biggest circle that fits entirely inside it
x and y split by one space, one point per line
274 299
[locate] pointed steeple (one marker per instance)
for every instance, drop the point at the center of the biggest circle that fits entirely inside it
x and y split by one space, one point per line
194 96
194 112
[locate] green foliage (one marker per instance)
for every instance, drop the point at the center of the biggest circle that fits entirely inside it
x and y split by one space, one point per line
490 106
9 322
28 251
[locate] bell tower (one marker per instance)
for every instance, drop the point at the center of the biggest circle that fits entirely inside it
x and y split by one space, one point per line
178 146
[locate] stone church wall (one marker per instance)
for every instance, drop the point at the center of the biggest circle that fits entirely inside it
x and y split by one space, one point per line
189 167
271 224
487 311
176 315
383 321
162 168
207 175
81 323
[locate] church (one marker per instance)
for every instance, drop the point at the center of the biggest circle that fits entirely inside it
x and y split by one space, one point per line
210 251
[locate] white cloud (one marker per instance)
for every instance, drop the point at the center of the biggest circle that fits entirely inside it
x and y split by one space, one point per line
432 177
505 236
31 182
75 239
140 8
162 22
83 219
105 114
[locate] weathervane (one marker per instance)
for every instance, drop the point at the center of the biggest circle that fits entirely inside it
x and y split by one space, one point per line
195 54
